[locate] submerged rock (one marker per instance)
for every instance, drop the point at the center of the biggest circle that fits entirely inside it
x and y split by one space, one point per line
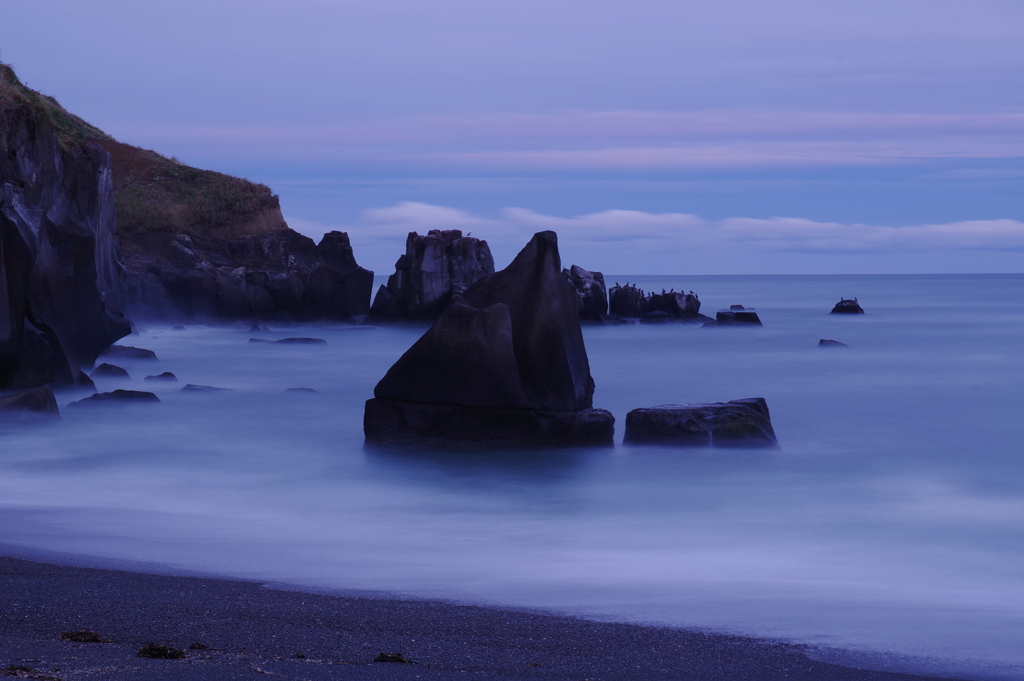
35 402
115 397
196 388
739 423
505 365
109 371
828 343
435 267
291 341
845 306
128 352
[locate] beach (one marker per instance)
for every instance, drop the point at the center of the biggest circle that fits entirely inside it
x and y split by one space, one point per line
250 631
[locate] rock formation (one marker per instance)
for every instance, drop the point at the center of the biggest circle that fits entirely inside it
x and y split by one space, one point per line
829 343
628 301
845 306
201 244
279 275
106 370
590 290
60 282
631 302
739 423
434 268
116 397
504 365
37 402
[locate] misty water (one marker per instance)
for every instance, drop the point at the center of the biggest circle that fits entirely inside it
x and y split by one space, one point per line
891 519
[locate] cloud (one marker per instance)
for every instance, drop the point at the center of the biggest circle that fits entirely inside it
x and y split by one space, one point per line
622 140
623 241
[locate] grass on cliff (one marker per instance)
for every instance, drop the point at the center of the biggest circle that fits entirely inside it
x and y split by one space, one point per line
158 194
71 130
153 193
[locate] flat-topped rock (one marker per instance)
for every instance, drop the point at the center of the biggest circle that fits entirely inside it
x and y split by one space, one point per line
166 376
435 267
737 315
738 423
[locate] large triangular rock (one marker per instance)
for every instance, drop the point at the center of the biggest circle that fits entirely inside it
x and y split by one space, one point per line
505 364
546 331
466 359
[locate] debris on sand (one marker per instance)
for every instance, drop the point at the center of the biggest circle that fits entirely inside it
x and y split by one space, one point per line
160 652
83 636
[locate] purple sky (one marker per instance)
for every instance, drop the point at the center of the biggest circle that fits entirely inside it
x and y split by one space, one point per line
731 136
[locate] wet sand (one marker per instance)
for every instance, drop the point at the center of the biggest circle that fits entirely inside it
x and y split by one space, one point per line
251 631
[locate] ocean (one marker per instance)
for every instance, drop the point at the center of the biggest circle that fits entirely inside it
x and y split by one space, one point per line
889 524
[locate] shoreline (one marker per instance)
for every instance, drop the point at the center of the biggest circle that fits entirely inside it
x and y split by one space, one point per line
250 629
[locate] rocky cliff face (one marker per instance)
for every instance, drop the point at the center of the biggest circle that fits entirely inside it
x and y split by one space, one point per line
61 287
280 275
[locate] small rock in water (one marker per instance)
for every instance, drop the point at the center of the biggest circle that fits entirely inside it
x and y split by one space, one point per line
192 387
109 371
160 652
116 396
828 343
739 423
393 657
256 327
128 352
258 340
165 376
178 327
199 645
301 390
846 306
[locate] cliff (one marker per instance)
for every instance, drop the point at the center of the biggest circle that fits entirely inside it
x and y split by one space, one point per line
61 285
198 244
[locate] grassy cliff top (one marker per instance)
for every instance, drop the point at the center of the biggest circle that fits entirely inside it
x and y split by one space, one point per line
153 193
70 129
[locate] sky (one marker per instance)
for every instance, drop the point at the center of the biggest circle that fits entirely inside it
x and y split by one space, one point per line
656 136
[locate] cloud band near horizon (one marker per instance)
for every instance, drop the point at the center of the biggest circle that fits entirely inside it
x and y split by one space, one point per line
636 242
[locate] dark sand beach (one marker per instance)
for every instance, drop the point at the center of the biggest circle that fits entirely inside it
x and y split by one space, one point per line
243 630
